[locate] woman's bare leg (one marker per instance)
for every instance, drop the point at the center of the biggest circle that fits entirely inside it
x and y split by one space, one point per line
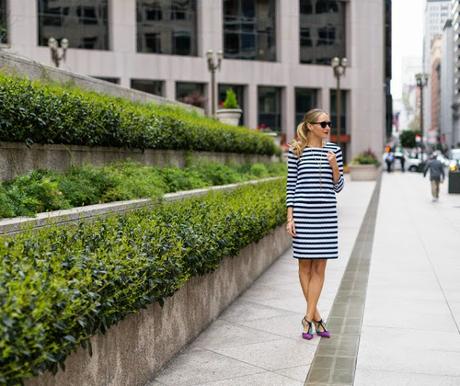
305 273
315 285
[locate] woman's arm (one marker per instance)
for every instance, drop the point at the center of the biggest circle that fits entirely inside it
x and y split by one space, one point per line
291 182
336 162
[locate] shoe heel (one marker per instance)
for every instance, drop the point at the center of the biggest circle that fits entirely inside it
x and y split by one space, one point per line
307 329
324 333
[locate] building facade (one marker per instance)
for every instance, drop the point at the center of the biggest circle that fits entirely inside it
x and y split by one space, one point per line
436 14
447 134
455 14
276 54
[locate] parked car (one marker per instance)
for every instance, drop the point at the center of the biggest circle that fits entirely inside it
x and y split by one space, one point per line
412 163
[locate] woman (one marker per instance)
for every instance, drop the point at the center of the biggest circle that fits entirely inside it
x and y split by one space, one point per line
315 175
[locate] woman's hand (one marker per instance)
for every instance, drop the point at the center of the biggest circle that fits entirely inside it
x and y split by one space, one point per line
332 160
290 227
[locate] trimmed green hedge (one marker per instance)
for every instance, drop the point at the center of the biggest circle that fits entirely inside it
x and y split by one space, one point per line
33 112
44 190
61 285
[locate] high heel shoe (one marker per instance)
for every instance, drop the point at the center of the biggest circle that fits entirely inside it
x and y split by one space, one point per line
307 329
324 333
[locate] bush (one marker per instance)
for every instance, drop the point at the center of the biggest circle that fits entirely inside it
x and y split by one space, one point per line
42 190
61 285
230 100
366 158
407 138
33 112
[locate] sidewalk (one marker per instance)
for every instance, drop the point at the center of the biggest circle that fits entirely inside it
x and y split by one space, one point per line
410 333
257 340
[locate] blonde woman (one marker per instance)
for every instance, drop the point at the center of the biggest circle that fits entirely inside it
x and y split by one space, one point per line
315 175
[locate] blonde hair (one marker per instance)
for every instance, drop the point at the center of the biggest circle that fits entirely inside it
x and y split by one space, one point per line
303 133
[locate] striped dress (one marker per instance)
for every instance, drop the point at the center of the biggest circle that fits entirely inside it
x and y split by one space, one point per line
311 193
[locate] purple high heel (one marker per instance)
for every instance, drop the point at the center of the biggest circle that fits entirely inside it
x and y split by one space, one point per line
324 333
307 329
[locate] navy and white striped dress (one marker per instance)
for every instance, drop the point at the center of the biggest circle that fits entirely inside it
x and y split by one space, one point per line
311 192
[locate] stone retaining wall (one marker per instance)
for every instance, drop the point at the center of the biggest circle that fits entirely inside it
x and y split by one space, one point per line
17 158
134 350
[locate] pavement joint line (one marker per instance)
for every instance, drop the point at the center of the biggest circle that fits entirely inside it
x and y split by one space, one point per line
338 369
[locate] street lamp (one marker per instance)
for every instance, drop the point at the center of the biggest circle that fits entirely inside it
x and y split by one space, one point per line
422 80
56 54
338 65
213 65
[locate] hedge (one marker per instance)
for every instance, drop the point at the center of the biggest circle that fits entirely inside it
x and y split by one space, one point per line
61 285
45 190
34 112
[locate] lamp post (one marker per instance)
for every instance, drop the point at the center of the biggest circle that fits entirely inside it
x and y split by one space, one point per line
338 66
422 80
56 54
213 65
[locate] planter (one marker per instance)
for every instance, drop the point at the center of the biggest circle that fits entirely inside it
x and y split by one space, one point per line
364 172
229 116
135 349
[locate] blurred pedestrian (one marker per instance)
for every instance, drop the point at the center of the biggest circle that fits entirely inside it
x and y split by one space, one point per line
389 159
437 175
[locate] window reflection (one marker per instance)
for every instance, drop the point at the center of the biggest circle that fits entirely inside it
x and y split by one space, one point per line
269 108
84 23
191 93
322 31
3 23
155 87
167 27
250 29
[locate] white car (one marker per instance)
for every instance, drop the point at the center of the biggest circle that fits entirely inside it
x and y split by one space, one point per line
412 164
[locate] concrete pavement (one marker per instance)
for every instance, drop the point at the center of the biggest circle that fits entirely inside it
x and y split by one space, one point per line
257 340
409 325
410 333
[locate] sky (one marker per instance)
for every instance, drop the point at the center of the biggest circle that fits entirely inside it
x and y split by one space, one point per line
407 37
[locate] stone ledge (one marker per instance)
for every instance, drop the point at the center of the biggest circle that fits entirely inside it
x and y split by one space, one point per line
61 217
17 158
134 350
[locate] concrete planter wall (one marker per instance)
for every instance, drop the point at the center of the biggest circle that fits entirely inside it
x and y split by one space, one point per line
229 116
133 351
364 172
17 158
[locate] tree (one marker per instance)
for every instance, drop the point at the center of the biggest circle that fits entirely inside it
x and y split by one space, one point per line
407 138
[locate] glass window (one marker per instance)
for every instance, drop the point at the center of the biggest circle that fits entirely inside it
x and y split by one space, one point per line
154 87
250 29
305 99
191 93
3 23
322 31
167 27
108 79
269 108
239 91
85 26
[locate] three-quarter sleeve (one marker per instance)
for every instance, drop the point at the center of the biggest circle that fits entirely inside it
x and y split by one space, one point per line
339 185
291 178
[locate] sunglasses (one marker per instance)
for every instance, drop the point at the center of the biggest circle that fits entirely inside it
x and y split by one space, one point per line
323 124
